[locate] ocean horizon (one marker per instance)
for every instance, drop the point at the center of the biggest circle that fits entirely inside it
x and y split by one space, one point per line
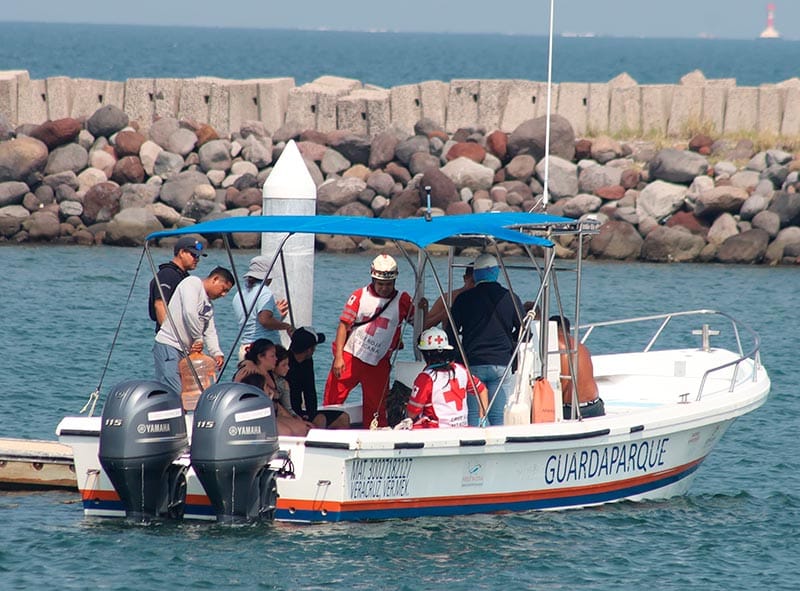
383 58
380 30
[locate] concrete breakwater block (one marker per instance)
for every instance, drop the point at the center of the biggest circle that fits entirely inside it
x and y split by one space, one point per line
526 100
791 114
9 92
625 110
599 100
219 106
139 100
313 105
462 104
364 111
89 95
741 110
686 109
329 103
433 96
273 98
242 103
492 97
166 97
32 106
656 107
59 97
405 104
573 104
194 100
770 109
714 99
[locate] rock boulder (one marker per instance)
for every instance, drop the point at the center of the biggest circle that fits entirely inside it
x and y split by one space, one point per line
177 190
660 199
668 245
677 166
529 138
21 157
467 173
131 226
617 240
336 193
724 199
57 133
106 121
745 248
12 192
72 157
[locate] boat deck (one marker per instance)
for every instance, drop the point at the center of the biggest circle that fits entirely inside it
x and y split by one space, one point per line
660 379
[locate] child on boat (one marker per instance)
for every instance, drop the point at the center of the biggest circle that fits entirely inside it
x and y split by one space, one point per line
259 362
439 396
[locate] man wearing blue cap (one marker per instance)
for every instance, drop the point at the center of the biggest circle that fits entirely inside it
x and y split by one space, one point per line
187 252
488 319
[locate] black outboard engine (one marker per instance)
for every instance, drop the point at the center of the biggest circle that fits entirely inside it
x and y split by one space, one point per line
234 437
143 432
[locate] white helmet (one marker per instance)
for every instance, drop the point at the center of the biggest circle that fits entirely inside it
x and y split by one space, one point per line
434 339
383 268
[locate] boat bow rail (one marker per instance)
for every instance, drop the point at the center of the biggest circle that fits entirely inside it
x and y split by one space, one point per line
752 354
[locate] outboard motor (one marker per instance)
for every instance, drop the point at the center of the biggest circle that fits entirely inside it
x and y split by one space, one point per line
234 438
143 432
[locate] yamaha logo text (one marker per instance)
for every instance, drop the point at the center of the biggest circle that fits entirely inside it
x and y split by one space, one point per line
153 428
235 431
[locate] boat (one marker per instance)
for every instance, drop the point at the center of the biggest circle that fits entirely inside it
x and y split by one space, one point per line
670 394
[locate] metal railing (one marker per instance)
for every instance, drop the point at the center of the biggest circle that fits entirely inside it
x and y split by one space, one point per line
753 353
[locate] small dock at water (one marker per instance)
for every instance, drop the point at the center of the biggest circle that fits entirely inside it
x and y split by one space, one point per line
35 464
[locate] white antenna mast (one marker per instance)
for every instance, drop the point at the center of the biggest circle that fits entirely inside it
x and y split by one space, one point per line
546 195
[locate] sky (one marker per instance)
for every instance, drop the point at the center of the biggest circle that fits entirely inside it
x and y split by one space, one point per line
739 19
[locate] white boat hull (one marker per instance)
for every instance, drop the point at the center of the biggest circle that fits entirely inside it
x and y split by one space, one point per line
648 446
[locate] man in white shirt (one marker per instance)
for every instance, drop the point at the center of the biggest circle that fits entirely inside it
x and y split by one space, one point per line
189 325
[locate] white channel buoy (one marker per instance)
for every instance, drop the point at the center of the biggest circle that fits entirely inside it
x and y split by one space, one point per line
290 190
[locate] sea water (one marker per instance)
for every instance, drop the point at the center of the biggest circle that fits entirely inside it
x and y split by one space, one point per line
60 308
736 529
119 52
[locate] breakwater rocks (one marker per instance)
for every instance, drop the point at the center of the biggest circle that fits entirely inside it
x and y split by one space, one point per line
103 181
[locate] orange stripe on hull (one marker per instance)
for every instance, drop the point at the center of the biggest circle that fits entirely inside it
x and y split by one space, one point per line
491 498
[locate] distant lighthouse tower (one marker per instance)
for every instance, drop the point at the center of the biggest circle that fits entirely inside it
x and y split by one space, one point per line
770 32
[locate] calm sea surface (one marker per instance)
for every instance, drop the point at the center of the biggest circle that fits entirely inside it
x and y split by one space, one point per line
737 529
109 52
59 309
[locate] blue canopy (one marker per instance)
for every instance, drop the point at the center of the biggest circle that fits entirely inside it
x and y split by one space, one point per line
509 227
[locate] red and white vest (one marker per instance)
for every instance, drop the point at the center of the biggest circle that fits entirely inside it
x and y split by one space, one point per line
441 396
372 341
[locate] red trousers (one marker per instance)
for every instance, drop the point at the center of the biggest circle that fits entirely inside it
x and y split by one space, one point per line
374 380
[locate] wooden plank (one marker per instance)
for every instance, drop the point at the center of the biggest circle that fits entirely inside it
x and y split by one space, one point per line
35 464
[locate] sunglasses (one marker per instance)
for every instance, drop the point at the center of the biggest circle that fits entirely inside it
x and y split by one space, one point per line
198 246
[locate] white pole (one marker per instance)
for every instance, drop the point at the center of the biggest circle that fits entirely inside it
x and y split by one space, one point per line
546 195
290 190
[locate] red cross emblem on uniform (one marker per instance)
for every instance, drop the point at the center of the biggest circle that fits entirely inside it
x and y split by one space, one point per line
451 394
439 340
379 322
